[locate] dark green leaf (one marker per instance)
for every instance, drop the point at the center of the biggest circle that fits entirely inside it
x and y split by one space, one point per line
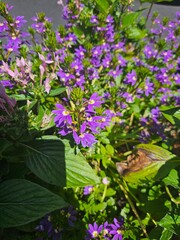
55 92
172 114
46 159
22 202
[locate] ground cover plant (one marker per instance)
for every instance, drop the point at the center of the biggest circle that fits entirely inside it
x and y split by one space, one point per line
89 124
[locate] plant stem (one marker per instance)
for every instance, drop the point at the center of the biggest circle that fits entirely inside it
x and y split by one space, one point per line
150 8
104 193
171 197
133 209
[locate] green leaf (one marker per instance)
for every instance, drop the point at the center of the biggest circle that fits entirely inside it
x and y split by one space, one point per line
172 114
110 149
172 179
170 220
20 97
103 5
177 114
136 33
130 18
46 159
78 31
22 202
54 161
55 92
79 172
166 235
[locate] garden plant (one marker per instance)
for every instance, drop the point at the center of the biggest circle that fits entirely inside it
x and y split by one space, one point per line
89 124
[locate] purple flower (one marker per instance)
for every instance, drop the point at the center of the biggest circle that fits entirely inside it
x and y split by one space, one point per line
19 21
77 65
65 77
144 136
177 78
94 101
59 38
88 190
115 73
119 46
62 117
79 52
3 26
116 229
95 61
109 34
13 44
94 230
131 78
106 229
122 62
106 61
128 97
167 55
109 19
85 138
96 51
46 225
155 114
93 73
6 103
7 83
150 52
162 76
148 88
71 37
94 19
71 215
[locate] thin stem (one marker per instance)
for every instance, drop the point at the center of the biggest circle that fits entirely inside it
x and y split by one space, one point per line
134 209
150 8
171 197
104 193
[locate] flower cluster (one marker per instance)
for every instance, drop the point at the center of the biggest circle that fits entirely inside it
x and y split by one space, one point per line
80 118
113 73
53 225
106 231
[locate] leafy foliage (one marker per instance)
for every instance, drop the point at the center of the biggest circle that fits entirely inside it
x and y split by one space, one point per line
89 124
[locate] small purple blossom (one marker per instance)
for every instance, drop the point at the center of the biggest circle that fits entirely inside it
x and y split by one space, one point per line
94 19
149 87
62 117
84 138
88 190
131 78
71 215
79 52
93 231
150 52
116 229
155 113
94 101
115 73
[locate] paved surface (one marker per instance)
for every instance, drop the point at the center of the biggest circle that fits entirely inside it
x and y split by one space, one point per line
29 8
